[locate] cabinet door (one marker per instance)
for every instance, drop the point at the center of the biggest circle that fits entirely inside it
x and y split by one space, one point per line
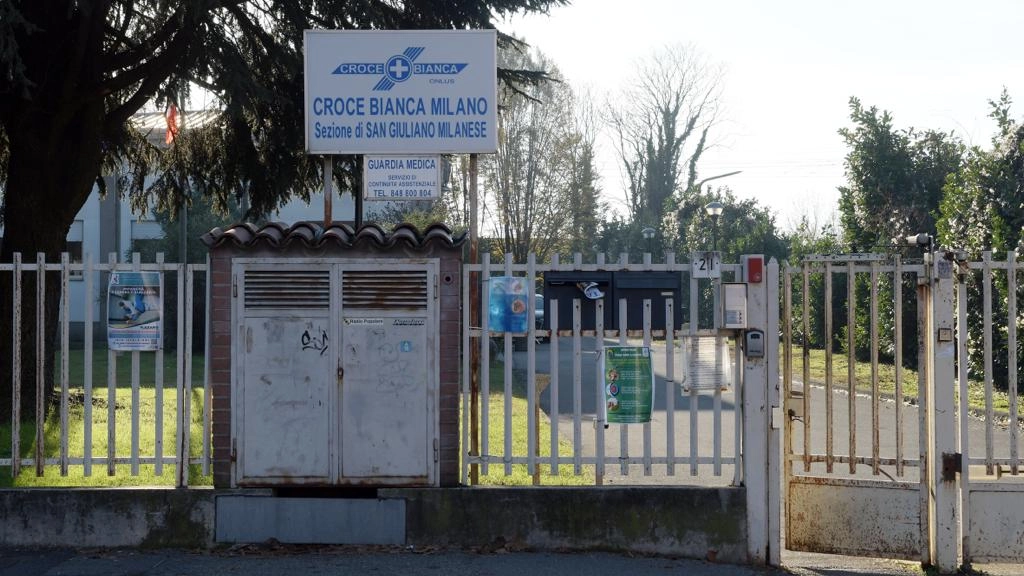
285 429
384 399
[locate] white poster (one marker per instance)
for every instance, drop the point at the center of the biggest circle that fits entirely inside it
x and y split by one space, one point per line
134 311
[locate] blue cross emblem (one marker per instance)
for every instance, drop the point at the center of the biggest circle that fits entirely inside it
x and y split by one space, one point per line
399 68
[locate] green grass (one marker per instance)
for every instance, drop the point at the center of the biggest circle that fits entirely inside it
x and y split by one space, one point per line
886 379
123 372
122 425
122 442
147 428
496 438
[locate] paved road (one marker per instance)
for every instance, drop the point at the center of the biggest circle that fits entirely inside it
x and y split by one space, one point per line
355 561
864 430
705 409
363 560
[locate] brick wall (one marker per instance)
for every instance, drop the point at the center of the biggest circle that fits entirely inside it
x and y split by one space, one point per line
449 343
220 365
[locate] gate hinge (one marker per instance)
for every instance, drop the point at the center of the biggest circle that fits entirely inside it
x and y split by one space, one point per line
435 450
234 286
234 450
952 464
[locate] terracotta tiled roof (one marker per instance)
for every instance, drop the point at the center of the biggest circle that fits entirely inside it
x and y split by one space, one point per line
312 235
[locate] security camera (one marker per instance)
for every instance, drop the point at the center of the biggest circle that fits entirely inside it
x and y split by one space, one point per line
922 240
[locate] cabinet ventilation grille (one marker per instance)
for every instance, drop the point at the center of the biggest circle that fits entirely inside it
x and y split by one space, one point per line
303 289
388 290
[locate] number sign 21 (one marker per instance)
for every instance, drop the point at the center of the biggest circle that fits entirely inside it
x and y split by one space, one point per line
706 264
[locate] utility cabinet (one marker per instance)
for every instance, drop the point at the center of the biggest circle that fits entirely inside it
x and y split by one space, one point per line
334 355
336 379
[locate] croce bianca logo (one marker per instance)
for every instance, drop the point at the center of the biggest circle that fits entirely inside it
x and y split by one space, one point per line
399 68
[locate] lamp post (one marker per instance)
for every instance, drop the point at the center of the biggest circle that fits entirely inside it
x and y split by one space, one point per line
714 210
648 234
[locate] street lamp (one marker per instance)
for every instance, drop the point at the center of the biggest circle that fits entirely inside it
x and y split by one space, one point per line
648 233
714 209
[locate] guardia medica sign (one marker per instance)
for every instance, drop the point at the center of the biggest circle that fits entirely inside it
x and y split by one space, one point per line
628 384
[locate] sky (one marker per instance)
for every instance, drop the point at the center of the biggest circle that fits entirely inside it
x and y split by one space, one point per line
790 68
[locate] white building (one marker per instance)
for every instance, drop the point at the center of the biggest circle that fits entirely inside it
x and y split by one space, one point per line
109 225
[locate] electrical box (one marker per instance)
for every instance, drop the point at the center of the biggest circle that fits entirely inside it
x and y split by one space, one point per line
754 344
336 374
734 305
753 269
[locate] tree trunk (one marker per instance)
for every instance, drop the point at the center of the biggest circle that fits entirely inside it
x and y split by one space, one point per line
53 165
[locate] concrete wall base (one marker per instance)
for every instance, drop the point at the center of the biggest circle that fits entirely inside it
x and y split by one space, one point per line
692 522
115 517
246 519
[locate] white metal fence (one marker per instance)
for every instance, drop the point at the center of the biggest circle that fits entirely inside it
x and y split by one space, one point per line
990 286
695 432
922 469
992 479
89 428
868 293
988 358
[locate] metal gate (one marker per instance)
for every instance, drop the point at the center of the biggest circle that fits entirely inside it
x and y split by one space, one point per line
992 477
849 488
878 460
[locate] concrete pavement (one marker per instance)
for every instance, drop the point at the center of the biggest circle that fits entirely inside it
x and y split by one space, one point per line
276 559
354 560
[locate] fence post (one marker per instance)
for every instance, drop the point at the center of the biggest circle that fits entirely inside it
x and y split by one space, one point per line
756 420
943 509
775 413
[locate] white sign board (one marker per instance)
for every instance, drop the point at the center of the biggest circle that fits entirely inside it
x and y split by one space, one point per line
707 363
706 264
401 177
401 91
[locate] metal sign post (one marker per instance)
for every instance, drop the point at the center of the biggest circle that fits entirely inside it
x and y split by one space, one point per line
328 190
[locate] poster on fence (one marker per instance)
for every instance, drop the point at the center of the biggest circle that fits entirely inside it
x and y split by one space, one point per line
134 311
628 384
507 305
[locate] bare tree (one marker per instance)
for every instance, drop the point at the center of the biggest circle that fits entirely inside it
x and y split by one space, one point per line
584 189
661 122
534 182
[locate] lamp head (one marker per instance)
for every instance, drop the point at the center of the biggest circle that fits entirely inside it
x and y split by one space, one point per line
714 209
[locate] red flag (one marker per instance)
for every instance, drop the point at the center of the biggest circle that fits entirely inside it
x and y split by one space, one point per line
172 124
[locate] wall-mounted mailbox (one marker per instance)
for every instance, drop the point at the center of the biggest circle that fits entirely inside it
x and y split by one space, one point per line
567 286
637 286
734 305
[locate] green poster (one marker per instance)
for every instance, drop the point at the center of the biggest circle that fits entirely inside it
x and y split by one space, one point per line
628 384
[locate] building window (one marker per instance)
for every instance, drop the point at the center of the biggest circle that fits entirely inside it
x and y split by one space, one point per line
147 247
74 250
